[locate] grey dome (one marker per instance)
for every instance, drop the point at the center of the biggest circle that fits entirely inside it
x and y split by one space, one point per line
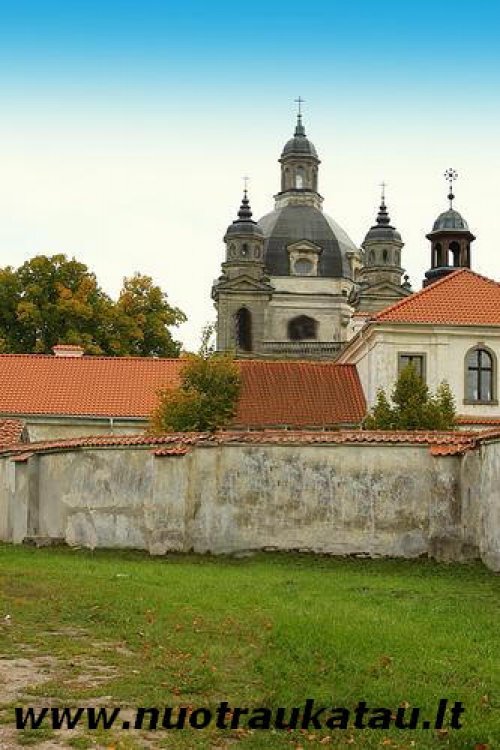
244 224
450 219
299 145
244 227
383 229
293 223
382 233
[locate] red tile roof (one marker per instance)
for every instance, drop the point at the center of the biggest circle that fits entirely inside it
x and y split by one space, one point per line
178 444
461 298
11 431
92 386
297 394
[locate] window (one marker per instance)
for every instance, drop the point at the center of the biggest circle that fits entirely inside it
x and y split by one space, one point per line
385 256
244 250
416 360
299 178
303 267
455 254
302 327
244 329
479 375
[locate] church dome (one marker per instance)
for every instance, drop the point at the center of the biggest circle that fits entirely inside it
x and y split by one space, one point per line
299 145
244 224
293 223
383 229
450 220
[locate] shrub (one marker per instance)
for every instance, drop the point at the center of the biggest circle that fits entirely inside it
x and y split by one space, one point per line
205 400
413 406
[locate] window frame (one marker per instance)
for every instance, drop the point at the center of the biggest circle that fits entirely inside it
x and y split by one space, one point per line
493 401
412 355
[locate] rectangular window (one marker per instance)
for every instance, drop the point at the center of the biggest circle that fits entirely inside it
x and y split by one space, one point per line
417 360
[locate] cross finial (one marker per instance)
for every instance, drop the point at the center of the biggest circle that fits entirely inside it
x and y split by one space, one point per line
450 177
245 183
300 101
383 185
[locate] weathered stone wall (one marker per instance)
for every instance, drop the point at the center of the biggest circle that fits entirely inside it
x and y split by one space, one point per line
373 499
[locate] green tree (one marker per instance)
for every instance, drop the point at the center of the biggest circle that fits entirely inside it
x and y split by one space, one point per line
382 416
413 406
205 400
144 316
207 343
53 300
411 398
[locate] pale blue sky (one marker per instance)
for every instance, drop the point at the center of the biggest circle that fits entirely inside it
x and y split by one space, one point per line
125 128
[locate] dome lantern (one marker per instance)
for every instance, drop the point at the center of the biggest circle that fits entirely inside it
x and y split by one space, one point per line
450 239
299 165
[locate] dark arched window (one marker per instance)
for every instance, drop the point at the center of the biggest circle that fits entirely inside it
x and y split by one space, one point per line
244 329
302 327
437 255
479 373
385 256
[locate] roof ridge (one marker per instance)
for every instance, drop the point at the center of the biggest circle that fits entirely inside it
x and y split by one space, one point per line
91 357
315 362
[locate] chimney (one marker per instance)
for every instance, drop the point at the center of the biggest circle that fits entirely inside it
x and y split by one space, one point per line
67 350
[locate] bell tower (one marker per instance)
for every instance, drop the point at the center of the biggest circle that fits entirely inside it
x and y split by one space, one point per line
379 278
241 293
450 240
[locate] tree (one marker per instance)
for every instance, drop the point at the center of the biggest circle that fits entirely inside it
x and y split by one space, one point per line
207 343
205 400
53 300
411 399
382 416
413 406
145 315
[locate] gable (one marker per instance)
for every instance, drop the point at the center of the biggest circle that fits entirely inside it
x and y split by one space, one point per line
244 283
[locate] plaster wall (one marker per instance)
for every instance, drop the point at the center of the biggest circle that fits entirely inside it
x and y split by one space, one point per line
376 500
61 428
376 351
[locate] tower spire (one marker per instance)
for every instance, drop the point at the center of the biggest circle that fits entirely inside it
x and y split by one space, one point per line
299 128
245 212
450 176
383 218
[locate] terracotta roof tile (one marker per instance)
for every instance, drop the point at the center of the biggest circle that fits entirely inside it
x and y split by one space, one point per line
461 298
468 420
440 443
298 394
93 386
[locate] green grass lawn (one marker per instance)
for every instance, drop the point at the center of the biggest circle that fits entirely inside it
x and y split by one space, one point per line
126 629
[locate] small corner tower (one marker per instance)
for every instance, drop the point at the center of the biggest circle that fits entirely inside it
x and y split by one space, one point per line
379 278
242 292
450 240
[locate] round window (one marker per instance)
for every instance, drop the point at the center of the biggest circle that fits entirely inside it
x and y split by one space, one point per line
303 267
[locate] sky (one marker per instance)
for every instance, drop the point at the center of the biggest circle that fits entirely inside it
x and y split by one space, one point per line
126 127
